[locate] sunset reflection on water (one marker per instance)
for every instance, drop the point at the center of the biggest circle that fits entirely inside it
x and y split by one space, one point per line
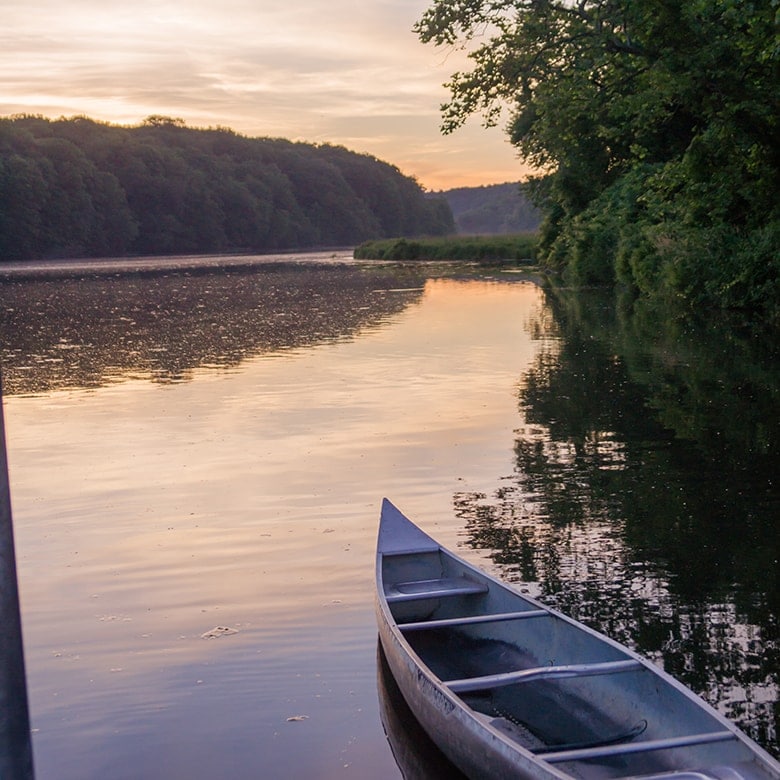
243 492
194 450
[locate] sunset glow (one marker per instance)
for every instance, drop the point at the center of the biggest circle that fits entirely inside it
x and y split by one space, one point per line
338 72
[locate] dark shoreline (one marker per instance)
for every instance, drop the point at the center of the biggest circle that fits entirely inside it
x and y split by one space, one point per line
156 264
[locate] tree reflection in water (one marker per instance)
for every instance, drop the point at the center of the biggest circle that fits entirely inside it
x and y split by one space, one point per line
644 501
84 331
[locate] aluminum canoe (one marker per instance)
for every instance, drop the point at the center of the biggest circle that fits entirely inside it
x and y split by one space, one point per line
509 688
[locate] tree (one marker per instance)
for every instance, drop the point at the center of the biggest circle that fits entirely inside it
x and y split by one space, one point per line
76 187
22 190
158 120
656 127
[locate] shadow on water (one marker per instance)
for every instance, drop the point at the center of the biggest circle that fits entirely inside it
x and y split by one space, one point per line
417 756
86 331
645 496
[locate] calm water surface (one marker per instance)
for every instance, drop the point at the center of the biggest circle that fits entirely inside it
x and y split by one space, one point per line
194 448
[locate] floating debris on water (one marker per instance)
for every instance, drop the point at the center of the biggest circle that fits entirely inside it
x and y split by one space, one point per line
218 631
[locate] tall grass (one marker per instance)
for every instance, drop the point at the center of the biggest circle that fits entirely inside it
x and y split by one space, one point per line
520 247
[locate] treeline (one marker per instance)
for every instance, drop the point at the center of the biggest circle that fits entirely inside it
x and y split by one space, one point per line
657 126
80 188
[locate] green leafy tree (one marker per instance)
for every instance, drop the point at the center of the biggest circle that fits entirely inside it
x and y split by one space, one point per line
22 190
75 187
655 124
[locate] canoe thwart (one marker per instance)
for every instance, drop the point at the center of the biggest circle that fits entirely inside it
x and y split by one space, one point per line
541 673
648 746
418 590
474 619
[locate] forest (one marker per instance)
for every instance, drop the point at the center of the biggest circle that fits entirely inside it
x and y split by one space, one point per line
655 127
493 209
81 188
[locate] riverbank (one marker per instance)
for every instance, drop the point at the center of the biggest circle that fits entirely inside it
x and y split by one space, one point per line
519 248
108 266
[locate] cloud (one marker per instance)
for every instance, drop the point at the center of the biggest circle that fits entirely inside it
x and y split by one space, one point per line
345 71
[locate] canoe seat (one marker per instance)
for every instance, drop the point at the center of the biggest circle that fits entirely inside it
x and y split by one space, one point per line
444 587
499 617
541 673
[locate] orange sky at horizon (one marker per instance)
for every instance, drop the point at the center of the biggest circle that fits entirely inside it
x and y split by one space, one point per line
342 72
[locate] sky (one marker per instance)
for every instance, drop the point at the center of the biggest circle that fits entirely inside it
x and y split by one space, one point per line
348 72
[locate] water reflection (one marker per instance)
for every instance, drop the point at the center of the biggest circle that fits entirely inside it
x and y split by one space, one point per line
645 500
92 329
148 514
198 503
417 756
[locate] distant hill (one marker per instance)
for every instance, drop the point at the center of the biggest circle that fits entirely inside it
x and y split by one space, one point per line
492 210
80 188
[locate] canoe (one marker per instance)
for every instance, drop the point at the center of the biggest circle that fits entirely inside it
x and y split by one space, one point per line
509 688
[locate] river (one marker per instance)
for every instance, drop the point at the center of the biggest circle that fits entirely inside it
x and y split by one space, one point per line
198 450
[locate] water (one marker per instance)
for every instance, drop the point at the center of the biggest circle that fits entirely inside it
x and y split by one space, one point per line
194 448
644 499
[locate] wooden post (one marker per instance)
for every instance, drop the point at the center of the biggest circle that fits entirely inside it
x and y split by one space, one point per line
15 742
